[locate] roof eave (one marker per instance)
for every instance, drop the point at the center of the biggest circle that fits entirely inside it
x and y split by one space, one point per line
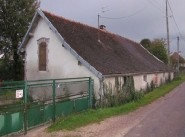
64 43
134 74
31 27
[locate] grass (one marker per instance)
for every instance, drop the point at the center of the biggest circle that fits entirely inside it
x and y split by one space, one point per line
74 121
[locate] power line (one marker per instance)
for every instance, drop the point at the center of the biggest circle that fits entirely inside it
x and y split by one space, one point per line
123 17
173 17
156 5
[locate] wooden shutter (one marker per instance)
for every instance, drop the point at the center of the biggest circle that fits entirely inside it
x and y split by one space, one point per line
42 56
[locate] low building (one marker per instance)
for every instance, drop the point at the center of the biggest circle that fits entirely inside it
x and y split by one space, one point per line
59 48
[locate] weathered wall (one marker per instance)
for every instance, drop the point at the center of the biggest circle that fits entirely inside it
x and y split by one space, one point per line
139 82
60 64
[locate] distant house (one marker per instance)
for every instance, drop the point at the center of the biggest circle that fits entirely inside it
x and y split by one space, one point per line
59 48
175 57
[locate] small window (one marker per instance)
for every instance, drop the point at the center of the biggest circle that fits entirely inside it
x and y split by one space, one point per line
42 53
42 56
116 82
124 80
79 63
145 78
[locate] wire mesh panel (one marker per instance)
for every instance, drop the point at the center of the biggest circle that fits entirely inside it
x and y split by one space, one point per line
71 89
40 99
40 91
71 95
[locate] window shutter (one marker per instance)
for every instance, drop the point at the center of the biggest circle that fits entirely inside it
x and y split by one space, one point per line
42 56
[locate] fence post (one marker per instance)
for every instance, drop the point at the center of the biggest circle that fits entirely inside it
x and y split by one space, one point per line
90 94
54 105
25 106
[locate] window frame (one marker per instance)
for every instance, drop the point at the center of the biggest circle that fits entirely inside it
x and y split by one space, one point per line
43 42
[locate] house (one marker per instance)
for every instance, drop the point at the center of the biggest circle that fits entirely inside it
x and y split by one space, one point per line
59 48
175 58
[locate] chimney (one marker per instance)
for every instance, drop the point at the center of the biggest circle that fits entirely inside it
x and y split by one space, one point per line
102 27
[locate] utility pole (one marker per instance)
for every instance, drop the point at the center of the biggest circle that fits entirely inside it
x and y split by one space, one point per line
98 27
167 26
178 53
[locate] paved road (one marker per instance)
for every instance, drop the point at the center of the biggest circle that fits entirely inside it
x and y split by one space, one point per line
167 120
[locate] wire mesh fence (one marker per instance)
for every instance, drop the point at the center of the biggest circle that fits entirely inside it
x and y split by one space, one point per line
21 101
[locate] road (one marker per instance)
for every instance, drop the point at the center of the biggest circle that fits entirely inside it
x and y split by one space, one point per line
167 120
164 117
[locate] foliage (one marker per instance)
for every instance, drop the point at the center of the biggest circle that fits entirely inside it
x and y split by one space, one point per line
6 68
15 19
146 43
157 48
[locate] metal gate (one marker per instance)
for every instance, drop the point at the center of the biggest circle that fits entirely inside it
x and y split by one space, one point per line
42 101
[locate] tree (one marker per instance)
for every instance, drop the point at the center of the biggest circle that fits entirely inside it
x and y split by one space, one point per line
146 43
157 48
15 17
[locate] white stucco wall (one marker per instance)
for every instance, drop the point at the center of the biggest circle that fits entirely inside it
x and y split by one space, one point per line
60 64
139 82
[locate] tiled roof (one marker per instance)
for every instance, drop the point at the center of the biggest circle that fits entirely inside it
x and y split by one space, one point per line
113 54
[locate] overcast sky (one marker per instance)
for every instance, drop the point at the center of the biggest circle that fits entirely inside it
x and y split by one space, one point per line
133 19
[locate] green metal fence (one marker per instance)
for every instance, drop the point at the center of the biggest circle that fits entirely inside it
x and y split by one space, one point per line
27 104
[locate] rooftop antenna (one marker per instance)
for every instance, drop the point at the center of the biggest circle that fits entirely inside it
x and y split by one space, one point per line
98 27
103 10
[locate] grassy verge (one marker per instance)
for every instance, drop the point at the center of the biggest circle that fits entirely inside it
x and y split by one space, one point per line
93 116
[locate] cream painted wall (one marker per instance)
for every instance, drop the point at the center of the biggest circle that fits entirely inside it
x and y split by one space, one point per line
60 64
139 82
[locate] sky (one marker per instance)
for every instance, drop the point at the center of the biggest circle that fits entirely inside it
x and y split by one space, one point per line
133 19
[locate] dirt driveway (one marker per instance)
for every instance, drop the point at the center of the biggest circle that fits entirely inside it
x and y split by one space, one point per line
163 118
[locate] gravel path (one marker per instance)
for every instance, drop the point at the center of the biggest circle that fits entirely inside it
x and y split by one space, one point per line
134 123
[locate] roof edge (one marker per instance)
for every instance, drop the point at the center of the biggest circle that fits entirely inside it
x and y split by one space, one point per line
134 74
64 43
151 54
26 37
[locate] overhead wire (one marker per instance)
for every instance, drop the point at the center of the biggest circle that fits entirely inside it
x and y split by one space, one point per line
124 17
156 5
173 17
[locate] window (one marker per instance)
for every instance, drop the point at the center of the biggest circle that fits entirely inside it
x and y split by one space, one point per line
42 54
79 63
124 80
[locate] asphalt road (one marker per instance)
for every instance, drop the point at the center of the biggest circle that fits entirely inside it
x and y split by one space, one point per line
166 120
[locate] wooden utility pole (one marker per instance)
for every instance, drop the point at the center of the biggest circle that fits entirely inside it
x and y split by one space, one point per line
178 53
167 26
